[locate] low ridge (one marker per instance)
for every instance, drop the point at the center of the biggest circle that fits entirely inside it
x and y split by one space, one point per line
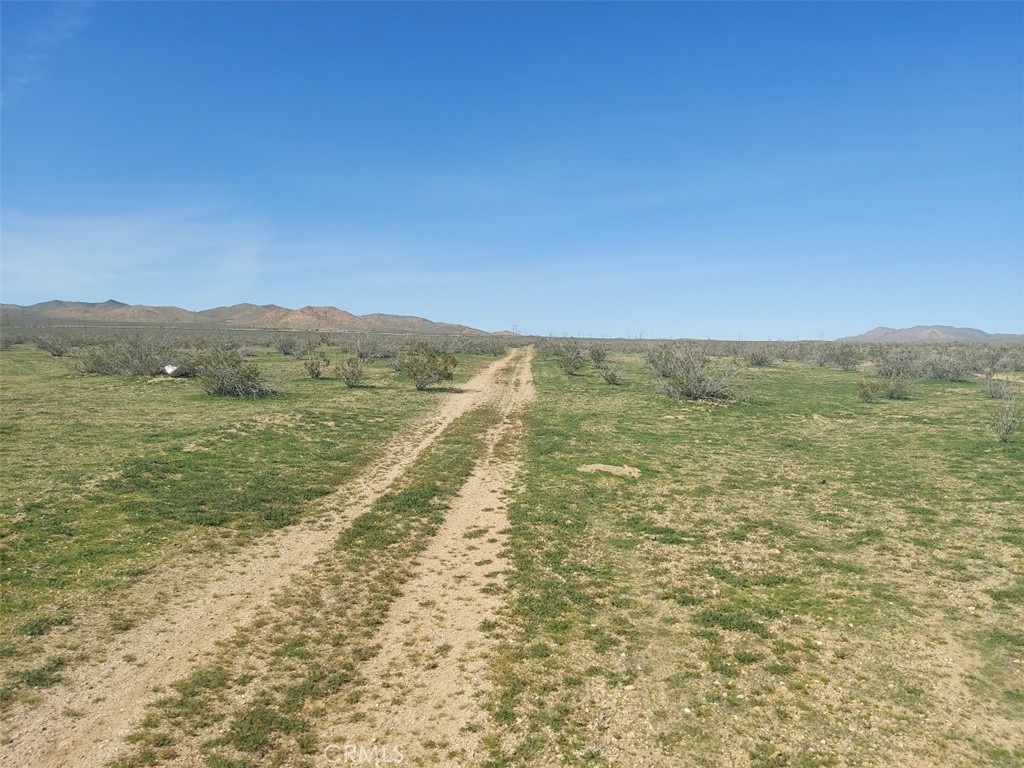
931 333
263 316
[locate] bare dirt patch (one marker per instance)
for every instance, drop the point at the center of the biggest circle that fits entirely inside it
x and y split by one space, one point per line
1013 376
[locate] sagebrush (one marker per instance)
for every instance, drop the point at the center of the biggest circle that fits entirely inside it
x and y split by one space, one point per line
225 372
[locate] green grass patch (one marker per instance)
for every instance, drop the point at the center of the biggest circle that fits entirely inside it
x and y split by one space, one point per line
761 568
324 628
106 478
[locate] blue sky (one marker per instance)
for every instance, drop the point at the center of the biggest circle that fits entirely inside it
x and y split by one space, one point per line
790 170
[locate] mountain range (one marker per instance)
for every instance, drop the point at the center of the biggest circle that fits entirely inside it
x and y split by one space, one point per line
263 316
932 333
274 317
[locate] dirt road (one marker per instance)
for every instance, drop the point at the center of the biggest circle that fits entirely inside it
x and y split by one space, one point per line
83 722
422 697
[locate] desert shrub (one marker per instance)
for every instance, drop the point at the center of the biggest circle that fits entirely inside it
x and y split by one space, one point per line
390 348
426 364
846 356
1007 420
8 340
190 362
136 356
598 354
611 373
352 372
367 346
822 355
489 345
868 390
660 360
570 357
58 346
288 345
950 365
999 389
760 355
788 351
1010 359
688 371
896 387
476 344
549 348
225 372
897 361
246 351
316 363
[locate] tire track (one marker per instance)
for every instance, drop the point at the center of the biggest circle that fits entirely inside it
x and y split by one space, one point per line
422 701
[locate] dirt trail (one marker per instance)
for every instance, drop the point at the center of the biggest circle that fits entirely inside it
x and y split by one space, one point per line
83 723
421 699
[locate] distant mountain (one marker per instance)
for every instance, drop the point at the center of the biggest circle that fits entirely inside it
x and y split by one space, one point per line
264 316
239 314
933 333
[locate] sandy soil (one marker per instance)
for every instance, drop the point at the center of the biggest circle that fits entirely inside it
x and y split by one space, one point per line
83 722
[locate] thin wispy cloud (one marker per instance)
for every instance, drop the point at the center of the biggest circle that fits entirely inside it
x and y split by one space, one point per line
27 57
129 253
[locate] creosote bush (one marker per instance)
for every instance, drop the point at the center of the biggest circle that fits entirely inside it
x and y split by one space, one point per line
8 340
570 357
894 361
687 370
352 372
895 387
896 367
425 364
1010 359
999 389
952 365
136 356
225 372
1007 420
367 346
610 373
316 363
760 355
846 356
288 345
58 346
868 390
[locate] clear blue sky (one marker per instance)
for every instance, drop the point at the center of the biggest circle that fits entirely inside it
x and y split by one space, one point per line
673 169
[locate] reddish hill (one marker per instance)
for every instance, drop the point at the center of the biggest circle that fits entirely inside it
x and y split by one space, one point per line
270 316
